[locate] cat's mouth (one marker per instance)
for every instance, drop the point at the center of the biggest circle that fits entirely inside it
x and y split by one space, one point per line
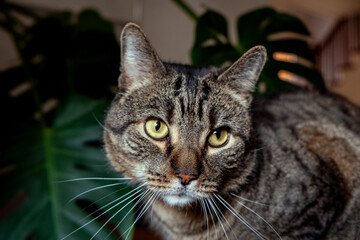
179 199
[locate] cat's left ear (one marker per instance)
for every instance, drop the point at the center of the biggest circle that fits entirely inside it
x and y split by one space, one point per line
244 73
139 61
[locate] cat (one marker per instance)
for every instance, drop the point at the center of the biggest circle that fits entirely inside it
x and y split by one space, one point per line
215 164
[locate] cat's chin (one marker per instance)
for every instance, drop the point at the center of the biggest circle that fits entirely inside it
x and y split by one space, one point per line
178 200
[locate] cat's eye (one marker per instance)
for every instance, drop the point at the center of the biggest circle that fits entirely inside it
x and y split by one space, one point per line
156 129
218 138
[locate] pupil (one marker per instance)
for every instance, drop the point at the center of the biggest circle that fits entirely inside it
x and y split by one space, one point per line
218 134
157 125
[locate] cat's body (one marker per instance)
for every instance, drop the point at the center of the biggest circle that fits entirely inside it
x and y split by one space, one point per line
216 166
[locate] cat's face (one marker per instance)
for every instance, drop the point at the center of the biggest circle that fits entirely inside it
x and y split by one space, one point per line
182 131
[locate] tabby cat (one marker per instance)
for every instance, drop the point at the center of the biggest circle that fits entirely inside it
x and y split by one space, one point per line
213 164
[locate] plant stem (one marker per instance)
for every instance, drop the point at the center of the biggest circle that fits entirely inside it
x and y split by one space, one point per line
186 9
51 179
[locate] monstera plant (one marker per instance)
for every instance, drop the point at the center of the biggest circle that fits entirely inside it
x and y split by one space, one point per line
265 27
55 180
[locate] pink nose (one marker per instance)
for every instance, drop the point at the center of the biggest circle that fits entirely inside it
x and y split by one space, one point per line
185 179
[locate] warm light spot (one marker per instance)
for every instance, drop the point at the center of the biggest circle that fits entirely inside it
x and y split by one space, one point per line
7 169
49 105
293 78
20 89
285 57
262 87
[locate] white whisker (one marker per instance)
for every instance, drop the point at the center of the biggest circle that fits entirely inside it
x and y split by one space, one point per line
92 189
258 149
238 216
139 190
212 219
117 212
92 178
206 217
223 216
113 201
100 123
101 208
247 200
217 216
144 209
260 218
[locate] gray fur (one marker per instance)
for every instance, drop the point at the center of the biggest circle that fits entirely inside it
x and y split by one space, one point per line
294 157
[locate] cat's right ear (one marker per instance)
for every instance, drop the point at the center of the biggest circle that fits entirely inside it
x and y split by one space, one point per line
139 62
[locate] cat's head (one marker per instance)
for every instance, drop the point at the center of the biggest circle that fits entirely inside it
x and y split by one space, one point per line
183 131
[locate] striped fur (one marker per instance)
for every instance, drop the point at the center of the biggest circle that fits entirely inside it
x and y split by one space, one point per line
290 169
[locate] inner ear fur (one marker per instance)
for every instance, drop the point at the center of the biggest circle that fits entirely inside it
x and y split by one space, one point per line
244 73
139 62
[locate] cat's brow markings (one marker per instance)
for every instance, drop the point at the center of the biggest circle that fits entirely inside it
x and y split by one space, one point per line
178 84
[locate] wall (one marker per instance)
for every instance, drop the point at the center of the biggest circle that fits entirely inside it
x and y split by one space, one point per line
170 30
349 85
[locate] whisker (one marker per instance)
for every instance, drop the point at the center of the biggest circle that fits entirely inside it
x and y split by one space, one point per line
114 201
92 178
212 219
238 216
206 217
247 200
261 218
144 209
117 212
101 208
142 204
100 123
92 189
137 202
257 149
217 216
223 216
139 190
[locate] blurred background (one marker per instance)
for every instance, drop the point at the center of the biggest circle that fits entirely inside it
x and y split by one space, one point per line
59 63
334 28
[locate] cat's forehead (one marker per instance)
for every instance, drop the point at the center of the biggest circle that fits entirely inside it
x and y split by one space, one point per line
192 74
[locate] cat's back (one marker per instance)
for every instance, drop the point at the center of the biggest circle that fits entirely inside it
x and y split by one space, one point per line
297 106
311 146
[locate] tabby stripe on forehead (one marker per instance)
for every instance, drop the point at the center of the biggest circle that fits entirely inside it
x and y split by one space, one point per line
206 91
200 108
212 119
178 85
182 107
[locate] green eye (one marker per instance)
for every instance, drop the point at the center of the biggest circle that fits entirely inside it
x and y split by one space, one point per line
156 129
218 137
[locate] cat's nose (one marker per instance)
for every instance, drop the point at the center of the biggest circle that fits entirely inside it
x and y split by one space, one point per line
185 179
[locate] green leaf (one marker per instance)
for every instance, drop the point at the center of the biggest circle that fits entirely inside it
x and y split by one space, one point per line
281 22
36 205
249 28
211 25
257 28
214 55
